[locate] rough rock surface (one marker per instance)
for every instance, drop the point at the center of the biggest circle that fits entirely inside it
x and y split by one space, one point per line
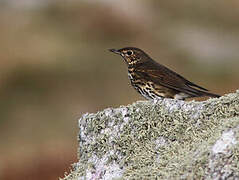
169 139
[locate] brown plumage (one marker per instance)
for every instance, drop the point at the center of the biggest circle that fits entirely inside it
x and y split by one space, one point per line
153 80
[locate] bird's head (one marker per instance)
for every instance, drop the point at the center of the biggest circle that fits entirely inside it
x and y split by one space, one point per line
131 55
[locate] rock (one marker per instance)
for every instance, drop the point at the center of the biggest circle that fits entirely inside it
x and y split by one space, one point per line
168 139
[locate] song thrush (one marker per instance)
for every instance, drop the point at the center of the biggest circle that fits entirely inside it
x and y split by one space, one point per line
153 80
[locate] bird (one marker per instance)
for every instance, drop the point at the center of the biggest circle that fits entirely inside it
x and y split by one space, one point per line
155 81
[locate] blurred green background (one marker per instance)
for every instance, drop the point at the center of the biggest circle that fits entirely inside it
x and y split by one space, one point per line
55 66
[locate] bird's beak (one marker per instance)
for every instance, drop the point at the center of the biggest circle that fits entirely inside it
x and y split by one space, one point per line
114 51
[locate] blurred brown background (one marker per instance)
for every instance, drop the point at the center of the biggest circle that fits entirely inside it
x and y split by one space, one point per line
55 66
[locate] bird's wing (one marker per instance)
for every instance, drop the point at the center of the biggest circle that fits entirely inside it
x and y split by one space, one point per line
167 78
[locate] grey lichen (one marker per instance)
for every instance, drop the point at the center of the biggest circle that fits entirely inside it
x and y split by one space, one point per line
224 155
170 139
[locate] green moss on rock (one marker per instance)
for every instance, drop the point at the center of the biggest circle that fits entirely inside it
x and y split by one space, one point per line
169 139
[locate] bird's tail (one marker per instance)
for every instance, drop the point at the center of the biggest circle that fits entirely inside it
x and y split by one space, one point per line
199 93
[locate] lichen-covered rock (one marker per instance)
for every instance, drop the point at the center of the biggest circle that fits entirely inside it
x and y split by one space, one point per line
170 139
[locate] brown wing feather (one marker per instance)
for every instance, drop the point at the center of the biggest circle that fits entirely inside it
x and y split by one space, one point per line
163 76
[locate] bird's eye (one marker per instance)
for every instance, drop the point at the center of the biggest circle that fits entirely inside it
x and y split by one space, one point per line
129 53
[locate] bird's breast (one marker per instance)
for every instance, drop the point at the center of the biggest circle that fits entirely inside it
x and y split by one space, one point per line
131 74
